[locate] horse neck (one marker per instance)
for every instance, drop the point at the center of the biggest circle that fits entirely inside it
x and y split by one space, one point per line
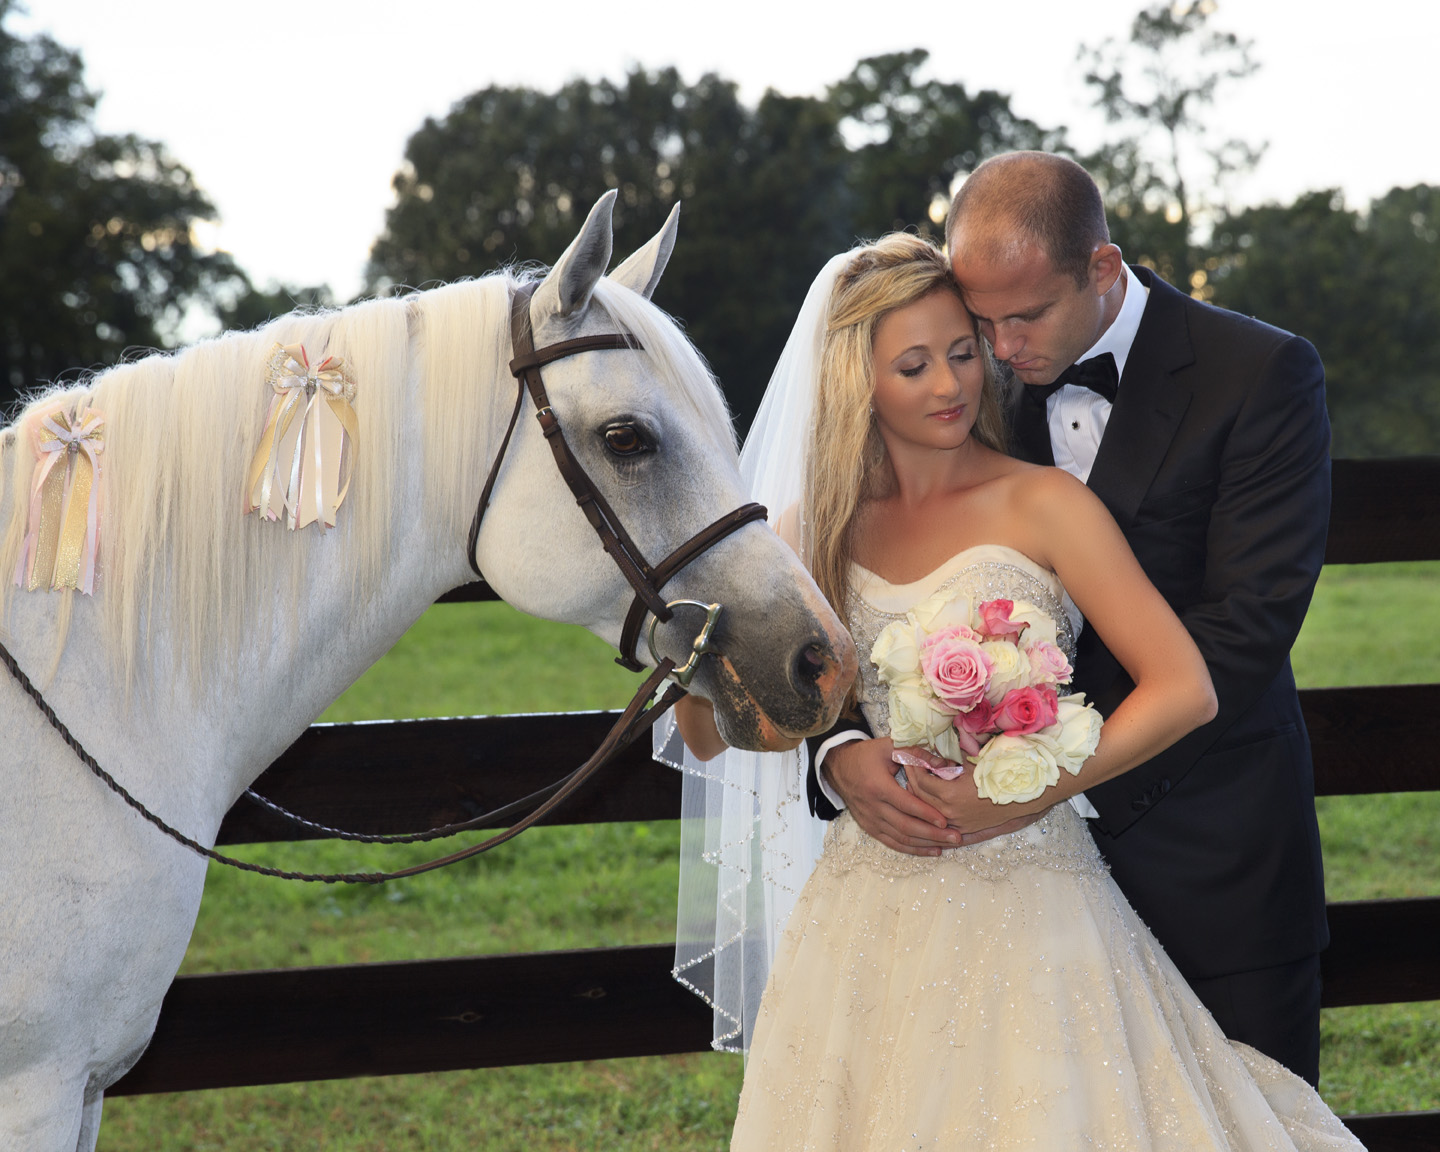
284 679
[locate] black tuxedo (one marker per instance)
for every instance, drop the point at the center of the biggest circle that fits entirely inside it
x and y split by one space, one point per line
1215 464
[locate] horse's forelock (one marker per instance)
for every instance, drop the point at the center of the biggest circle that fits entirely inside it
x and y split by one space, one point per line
677 359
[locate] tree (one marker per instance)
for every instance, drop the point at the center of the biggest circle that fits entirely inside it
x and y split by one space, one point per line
770 192
95 231
910 139
1159 83
510 173
1364 287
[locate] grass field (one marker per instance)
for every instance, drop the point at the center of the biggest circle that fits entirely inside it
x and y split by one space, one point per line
607 885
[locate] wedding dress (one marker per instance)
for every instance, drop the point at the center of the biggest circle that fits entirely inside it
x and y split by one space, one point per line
999 996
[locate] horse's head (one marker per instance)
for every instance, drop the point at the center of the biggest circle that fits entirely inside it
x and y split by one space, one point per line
651 430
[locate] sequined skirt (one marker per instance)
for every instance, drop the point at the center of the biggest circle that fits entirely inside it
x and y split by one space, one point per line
1003 996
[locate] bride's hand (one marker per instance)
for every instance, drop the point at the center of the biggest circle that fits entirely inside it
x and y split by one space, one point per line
969 813
1000 829
924 764
863 773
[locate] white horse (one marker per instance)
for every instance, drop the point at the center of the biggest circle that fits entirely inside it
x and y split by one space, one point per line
214 638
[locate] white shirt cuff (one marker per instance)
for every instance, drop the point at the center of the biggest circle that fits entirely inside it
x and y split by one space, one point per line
1080 802
834 742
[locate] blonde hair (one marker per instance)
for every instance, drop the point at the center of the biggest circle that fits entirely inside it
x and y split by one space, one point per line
846 461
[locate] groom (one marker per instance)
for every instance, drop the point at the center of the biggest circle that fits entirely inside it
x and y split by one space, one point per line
1205 434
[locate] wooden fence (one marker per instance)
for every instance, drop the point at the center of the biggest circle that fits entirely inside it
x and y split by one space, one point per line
270 1027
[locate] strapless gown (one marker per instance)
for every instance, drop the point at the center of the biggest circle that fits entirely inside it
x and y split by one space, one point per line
999 996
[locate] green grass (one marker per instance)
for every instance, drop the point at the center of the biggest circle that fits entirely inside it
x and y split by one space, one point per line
487 660
615 884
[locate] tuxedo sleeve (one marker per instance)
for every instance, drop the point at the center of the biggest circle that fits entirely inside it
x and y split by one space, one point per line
820 805
1263 551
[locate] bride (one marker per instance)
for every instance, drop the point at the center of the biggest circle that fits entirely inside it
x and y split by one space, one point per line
1003 994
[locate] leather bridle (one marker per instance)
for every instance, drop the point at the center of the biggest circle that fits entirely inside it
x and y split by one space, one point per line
645 578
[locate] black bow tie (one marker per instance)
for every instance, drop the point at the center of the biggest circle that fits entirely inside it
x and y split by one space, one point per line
1098 374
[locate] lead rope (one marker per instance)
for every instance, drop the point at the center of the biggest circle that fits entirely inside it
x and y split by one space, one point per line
631 723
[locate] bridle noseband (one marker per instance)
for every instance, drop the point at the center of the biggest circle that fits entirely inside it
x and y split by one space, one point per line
645 578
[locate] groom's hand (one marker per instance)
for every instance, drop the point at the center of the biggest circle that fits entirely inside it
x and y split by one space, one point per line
863 773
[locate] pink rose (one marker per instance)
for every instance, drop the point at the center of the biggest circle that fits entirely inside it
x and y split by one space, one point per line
956 667
978 720
975 727
996 622
1048 664
1026 710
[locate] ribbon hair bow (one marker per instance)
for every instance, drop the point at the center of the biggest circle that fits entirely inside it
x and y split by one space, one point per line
62 539
302 469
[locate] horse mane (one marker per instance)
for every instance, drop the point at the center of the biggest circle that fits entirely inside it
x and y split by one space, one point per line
181 428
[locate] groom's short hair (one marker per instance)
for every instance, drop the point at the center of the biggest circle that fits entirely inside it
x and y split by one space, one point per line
1022 198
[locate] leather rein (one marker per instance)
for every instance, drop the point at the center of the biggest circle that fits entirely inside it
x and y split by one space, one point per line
644 578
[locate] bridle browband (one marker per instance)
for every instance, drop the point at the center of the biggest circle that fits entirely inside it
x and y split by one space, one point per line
645 578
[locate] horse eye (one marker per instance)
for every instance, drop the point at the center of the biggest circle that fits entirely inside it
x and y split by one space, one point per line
624 440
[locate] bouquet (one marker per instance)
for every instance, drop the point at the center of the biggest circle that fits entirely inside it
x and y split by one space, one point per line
979 684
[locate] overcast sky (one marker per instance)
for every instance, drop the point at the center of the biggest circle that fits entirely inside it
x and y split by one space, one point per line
293 114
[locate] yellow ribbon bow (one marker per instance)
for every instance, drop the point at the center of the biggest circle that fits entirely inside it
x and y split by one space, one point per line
62 540
302 469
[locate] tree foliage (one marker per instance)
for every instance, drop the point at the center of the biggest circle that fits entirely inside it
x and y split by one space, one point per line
96 251
511 172
1158 85
912 137
770 191
1364 287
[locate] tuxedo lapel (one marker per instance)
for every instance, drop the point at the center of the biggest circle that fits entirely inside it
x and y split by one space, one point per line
1149 404
1032 431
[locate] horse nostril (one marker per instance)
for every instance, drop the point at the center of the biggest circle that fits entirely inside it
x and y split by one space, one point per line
810 664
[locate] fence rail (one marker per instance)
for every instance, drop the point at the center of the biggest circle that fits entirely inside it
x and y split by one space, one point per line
265 1027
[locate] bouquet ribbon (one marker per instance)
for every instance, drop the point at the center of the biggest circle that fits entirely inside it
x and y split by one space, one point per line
301 470
63 536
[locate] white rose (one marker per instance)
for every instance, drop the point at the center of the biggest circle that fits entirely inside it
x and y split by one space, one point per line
1076 731
1009 668
1013 769
915 717
948 745
1041 623
896 654
944 610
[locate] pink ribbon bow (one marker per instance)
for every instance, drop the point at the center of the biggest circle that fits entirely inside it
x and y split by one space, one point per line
302 468
62 540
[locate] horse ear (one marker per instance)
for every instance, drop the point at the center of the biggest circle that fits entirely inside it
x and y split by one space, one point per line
641 272
566 290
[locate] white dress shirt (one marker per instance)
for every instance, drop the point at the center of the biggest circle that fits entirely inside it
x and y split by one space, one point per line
1077 418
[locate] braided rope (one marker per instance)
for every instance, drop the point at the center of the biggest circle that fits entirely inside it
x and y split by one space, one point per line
439 832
